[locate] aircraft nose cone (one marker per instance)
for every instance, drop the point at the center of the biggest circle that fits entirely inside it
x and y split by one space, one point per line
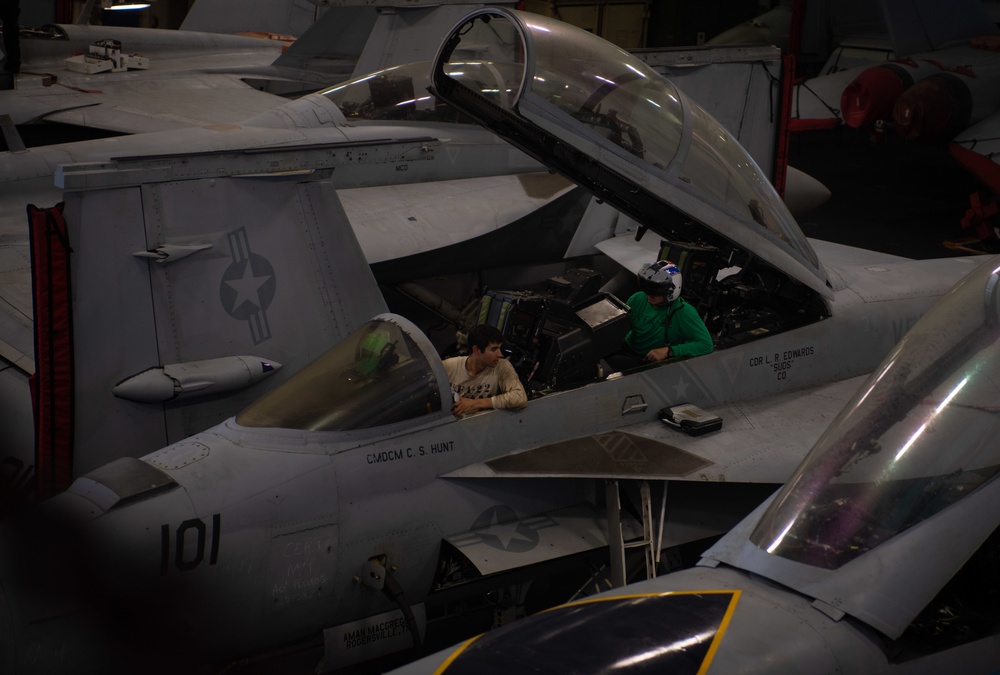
870 97
934 109
621 634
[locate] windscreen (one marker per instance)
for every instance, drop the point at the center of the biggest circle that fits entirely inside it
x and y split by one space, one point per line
919 436
376 376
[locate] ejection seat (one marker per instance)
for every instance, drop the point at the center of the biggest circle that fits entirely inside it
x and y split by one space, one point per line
699 265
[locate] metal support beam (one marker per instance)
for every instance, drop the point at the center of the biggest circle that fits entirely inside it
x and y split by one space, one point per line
648 543
615 540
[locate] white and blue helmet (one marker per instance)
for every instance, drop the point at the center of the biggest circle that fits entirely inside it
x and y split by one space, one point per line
660 278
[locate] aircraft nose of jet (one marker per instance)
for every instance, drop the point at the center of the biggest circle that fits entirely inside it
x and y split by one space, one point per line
621 634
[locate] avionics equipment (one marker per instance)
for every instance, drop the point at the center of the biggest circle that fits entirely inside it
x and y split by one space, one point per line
558 337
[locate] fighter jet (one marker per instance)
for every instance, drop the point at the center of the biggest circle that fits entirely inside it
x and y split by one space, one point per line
349 501
412 221
138 80
877 556
414 184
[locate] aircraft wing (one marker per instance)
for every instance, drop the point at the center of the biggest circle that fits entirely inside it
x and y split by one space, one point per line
153 102
759 442
196 79
497 547
155 80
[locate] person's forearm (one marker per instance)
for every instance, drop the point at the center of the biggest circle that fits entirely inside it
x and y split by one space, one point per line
468 405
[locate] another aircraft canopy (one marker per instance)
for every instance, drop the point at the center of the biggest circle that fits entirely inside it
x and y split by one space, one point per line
919 436
602 117
378 375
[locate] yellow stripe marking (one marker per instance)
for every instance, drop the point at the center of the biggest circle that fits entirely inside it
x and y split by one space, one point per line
712 649
723 625
447 662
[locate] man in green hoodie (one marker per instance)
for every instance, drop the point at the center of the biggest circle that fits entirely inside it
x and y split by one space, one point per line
664 326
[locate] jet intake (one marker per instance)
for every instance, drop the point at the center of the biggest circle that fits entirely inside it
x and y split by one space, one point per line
194 379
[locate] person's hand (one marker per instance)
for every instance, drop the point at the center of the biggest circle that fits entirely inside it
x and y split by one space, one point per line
659 354
467 405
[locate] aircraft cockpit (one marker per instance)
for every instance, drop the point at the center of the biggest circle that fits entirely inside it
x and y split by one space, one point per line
604 119
559 332
556 337
378 375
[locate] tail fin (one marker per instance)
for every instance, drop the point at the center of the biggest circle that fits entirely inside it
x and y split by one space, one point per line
373 38
339 36
177 266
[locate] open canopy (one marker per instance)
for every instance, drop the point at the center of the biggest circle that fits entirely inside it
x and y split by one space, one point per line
606 120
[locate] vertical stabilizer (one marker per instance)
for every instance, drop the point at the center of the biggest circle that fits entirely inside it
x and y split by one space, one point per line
339 35
374 36
173 265
284 17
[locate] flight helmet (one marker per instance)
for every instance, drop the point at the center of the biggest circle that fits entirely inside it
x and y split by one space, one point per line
660 278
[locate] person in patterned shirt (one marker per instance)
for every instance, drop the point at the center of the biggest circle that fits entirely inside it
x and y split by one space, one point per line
484 380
